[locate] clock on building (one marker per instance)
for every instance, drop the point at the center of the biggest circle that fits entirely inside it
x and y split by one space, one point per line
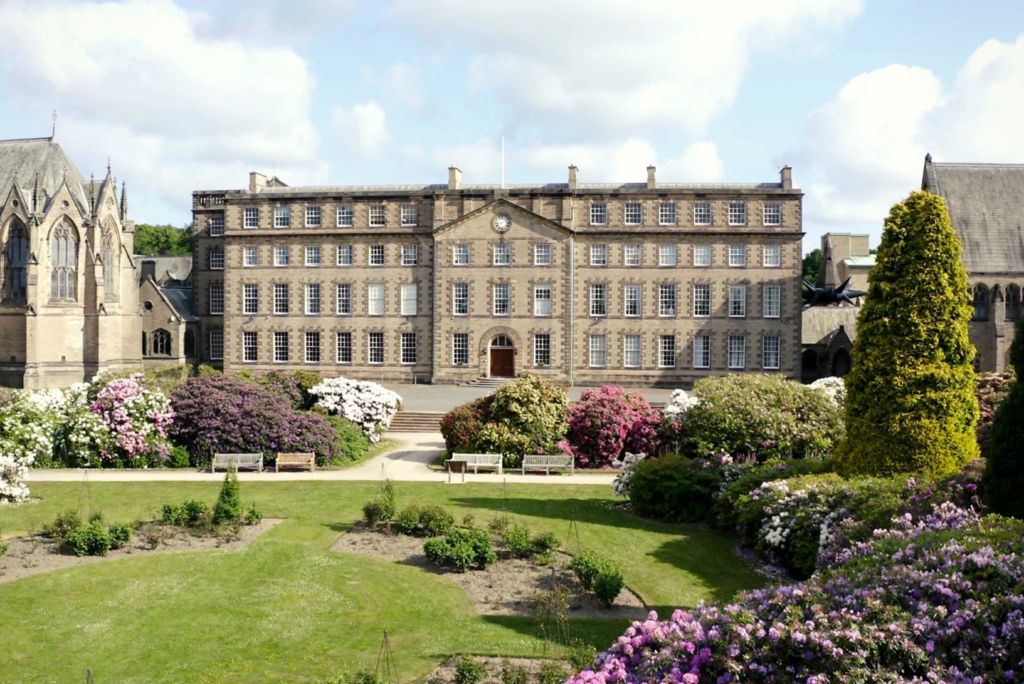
502 222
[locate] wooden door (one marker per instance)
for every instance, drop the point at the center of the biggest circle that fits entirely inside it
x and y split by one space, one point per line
502 363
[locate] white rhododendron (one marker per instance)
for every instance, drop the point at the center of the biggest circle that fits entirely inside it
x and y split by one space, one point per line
626 466
679 403
366 404
834 389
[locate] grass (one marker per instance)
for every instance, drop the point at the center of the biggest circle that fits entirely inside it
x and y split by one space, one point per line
375 450
287 609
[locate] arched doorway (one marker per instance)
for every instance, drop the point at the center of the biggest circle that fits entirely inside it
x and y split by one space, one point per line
841 363
503 357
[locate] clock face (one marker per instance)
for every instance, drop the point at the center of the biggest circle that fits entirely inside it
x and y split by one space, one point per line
502 222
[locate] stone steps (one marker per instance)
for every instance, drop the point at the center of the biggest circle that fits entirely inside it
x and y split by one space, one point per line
413 421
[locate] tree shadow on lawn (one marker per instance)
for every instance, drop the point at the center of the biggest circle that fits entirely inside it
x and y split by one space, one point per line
600 634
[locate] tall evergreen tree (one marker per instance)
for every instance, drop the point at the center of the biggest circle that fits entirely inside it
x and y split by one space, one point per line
1003 480
910 404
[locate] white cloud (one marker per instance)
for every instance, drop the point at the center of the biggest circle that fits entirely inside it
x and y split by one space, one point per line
363 129
137 79
589 68
273 21
402 82
864 149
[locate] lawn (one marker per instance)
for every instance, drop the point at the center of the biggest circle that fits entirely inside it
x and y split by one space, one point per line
287 609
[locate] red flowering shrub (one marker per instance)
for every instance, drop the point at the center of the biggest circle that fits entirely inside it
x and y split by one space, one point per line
461 426
222 414
609 421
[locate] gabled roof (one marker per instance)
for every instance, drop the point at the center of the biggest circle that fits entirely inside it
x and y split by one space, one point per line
986 207
819 323
176 267
24 159
180 300
501 203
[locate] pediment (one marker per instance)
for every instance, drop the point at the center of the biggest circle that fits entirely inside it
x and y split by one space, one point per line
482 221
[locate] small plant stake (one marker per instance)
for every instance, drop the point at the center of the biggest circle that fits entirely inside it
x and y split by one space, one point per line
573 527
85 492
389 675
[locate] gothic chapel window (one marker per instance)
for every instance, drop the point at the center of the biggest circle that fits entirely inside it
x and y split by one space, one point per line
15 256
64 262
108 254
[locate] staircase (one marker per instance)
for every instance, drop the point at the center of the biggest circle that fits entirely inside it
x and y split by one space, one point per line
493 383
411 421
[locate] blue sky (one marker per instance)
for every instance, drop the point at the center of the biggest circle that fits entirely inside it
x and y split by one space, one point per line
189 95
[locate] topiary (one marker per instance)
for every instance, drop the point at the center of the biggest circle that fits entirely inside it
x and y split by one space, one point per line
229 504
516 540
608 584
1003 480
910 404
469 670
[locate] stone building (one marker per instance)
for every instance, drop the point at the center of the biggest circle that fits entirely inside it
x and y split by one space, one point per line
169 326
986 208
69 300
635 283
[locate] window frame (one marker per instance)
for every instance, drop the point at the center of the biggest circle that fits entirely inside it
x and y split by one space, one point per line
340 335
247 251
313 335
278 299
403 299
343 295
412 249
250 343
372 299
703 214
599 255
768 300
702 346
314 216
218 286
537 289
737 213
599 210
662 349
638 219
507 299
771 209
377 212
638 290
248 299
344 250
667 214
627 341
409 215
460 349
280 250
404 347
376 250
282 217
674 254
313 256
737 305
374 343
598 305
741 352
312 296
212 345
460 250
538 250
765 339
776 250
278 336
250 218
734 262
537 362
345 216
698 300
456 299
504 249
217 251
215 227
632 250
663 290
603 350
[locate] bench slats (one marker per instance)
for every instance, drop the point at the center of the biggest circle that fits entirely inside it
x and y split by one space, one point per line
237 460
299 459
476 461
546 462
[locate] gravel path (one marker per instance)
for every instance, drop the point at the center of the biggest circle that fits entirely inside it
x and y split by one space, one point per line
407 462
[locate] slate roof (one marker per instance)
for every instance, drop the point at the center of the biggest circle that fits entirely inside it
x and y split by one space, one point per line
174 267
180 299
23 159
819 323
986 207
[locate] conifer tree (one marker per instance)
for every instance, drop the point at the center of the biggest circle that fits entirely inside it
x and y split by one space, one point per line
910 404
1003 480
229 503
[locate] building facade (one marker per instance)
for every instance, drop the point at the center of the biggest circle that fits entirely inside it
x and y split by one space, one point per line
635 284
69 305
986 208
169 327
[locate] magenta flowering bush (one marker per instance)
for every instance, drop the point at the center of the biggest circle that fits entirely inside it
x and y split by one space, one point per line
934 598
137 422
219 413
607 422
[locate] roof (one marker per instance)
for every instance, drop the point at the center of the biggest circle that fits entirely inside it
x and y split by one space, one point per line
515 187
819 323
866 261
24 159
172 267
180 299
986 207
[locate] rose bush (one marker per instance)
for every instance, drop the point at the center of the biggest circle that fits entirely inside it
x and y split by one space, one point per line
366 404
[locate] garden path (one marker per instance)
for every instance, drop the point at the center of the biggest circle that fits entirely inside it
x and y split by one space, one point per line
408 461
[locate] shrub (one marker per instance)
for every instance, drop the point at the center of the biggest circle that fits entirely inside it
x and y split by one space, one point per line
517 540
172 514
373 513
1004 468
179 458
674 488
759 415
67 522
469 670
137 421
513 674
353 445
608 584
435 521
581 655
553 673
228 508
468 520
253 516
3 549
120 535
607 421
545 543
90 540
499 525
194 513
587 565
408 521
991 389
461 549
910 404
221 414
461 425
286 385
726 510
366 404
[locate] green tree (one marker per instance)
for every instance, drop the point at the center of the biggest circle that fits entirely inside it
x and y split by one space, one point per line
154 240
229 503
910 404
812 264
1003 479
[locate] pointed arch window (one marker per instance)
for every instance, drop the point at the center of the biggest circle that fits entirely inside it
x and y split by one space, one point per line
109 254
161 343
1013 310
15 257
64 263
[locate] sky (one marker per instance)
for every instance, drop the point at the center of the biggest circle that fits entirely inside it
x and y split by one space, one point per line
185 95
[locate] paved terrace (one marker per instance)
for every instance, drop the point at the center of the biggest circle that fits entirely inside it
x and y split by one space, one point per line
407 462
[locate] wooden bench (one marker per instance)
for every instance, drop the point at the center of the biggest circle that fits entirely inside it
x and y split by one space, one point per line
476 461
547 462
297 460
236 461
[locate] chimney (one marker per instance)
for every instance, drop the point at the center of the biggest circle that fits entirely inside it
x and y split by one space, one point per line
573 176
257 181
650 178
787 177
454 177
